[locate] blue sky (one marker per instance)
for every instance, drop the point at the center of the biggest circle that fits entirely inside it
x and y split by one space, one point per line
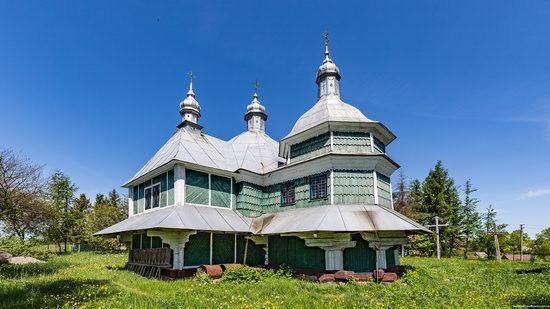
92 87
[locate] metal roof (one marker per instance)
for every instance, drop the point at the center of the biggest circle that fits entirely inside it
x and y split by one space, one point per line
189 217
251 150
330 218
335 218
328 108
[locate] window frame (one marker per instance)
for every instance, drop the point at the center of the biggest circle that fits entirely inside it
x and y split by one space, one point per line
151 197
288 185
324 189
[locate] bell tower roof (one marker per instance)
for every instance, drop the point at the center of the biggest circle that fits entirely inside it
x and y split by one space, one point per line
190 108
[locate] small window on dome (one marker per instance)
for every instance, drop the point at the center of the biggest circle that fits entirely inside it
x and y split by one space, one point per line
287 194
318 187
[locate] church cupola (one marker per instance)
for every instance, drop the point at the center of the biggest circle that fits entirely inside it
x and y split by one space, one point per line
328 75
255 116
190 110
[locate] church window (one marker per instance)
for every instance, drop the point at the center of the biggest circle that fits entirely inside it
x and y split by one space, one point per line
287 193
318 187
152 196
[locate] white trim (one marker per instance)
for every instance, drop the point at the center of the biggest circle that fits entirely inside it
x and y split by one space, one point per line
211 246
179 184
209 190
331 141
375 178
130 202
144 198
288 155
235 250
371 142
332 187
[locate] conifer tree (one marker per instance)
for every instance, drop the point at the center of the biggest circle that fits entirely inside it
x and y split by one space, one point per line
470 224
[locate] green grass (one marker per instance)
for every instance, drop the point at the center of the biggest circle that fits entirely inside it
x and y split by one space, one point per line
94 280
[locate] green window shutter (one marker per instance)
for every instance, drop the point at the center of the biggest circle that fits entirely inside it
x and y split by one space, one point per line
156 242
197 250
145 241
221 191
196 187
136 241
223 248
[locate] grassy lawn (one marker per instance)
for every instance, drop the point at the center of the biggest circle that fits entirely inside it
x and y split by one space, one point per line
94 280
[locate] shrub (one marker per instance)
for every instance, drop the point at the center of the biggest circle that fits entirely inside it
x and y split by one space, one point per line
33 247
245 274
202 277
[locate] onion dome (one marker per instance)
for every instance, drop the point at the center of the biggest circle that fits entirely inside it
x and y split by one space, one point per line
328 67
255 116
190 109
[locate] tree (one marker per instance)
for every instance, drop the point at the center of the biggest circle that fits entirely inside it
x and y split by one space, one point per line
21 194
79 214
542 243
515 241
402 197
440 198
485 240
470 224
106 212
61 191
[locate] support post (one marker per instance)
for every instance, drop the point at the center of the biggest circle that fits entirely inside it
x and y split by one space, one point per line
179 185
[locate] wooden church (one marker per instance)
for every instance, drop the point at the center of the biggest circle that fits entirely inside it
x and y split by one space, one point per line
319 199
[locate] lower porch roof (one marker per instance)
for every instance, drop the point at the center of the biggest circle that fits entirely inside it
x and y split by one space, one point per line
329 218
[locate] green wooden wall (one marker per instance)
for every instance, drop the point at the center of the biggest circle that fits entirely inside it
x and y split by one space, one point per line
351 142
360 258
197 250
255 254
166 181
292 251
196 187
253 200
379 147
223 248
310 148
390 257
142 241
353 187
384 190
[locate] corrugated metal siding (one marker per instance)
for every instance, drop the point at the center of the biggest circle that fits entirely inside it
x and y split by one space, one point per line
255 254
351 142
221 191
254 200
310 148
384 192
196 187
197 250
390 257
166 181
223 248
360 258
379 147
353 187
292 251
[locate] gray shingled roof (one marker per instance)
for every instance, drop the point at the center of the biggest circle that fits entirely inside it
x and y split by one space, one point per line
330 218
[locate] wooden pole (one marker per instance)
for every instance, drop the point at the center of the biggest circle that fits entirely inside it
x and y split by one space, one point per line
245 251
497 245
521 243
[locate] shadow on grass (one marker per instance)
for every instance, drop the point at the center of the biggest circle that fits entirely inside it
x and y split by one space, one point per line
53 294
532 300
30 270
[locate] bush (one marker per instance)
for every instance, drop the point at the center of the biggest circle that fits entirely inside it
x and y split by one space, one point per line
255 274
33 247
